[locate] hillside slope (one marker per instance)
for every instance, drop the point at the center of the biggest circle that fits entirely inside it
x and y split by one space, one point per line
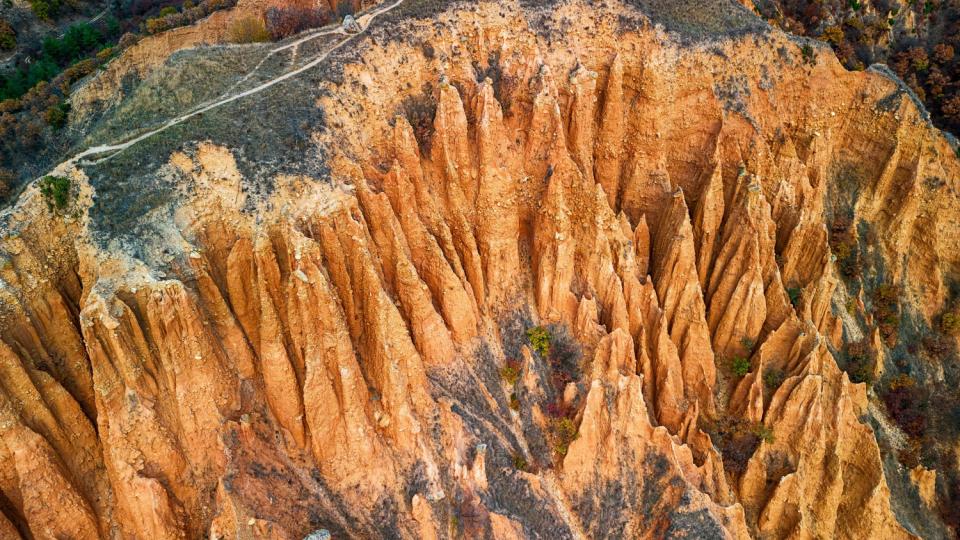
501 269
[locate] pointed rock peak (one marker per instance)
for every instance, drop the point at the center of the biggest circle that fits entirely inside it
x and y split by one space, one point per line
405 145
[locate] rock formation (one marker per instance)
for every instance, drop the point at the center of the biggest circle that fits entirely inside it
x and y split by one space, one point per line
514 307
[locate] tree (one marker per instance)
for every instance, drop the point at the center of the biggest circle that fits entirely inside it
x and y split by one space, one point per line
45 9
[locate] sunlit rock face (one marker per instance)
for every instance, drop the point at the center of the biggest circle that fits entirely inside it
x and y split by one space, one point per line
540 293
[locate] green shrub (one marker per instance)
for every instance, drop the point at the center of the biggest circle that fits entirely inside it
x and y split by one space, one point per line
45 9
519 462
56 191
511 372
794 294
887 312
540 340
950 322
56 115
764 433
169 10
860 361
740 366
773 377
563 432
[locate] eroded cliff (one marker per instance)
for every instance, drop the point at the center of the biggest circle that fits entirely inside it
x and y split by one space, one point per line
568 274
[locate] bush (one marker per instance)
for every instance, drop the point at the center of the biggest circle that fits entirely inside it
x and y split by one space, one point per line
764 433
860 360
540 340
736 439
519 462
907 404
45 9
794 294
56 191
420 111
564 355
559 409
740 366
282 22
887 312
56 115
248 30
950 322
511 372
563 432
843 244
8 37
774 377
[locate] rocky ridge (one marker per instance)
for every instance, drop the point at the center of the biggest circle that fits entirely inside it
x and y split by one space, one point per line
510 310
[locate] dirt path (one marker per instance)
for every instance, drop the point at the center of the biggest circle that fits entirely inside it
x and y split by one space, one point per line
364 22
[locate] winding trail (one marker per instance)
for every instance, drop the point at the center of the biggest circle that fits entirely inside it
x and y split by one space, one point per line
364 22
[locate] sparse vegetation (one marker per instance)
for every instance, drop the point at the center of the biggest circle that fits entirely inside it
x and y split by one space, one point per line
773 377
747 343
540 340
519 462
8 36
764 433
169 17
740 366
248 30
794 294
511 371
285 21
950 322
860 361
56 191
503 84
563 432
735 438
420 111
917 42
886 312
843 244
906 403
56 115
45 9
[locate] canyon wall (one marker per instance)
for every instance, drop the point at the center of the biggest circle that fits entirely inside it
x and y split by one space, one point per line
569 276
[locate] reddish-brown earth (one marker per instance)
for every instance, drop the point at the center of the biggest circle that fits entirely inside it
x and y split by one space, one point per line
354 352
